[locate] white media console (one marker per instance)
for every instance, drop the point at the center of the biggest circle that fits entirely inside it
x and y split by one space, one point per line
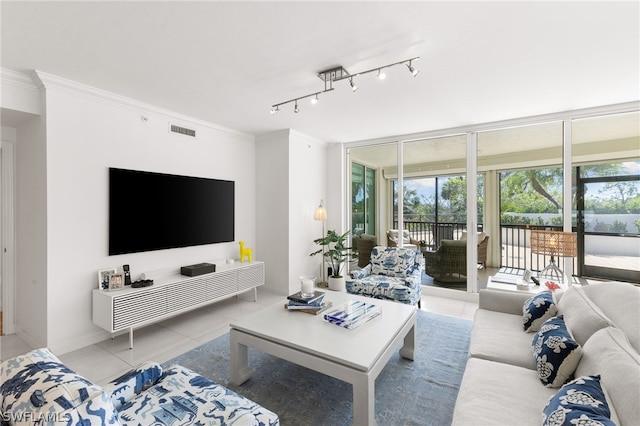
171 295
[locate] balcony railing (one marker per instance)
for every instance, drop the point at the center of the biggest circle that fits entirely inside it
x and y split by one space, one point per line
514 240
434 232
516 249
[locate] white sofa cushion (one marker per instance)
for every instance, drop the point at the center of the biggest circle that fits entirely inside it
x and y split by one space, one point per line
619 302
498 336
582 316
609 354
492 393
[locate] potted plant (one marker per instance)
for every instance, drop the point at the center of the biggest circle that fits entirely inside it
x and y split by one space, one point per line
423 246
336 254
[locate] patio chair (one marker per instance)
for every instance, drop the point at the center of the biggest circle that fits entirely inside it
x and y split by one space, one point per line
393 273
483 246
449 263
407 240
365 243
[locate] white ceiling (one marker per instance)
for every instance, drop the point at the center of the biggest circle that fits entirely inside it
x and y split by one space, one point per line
228 62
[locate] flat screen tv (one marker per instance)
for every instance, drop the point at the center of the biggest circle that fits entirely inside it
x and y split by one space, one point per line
155 211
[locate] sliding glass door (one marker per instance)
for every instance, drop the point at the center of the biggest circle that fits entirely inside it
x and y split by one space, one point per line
607 196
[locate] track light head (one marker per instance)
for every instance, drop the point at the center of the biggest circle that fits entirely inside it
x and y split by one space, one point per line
381 74
275 110
354 87
315 100
296 109
413 71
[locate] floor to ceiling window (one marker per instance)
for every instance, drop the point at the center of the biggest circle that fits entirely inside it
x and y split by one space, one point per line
522 186
607 195
525 164
363 199
369 192
435 206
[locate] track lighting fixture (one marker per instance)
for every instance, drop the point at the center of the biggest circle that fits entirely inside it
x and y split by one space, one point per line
413 71
339 73
354 86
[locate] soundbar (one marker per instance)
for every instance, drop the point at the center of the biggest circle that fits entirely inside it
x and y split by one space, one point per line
198 269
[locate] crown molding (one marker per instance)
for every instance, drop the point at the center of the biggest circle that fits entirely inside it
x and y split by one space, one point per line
53 82
17 79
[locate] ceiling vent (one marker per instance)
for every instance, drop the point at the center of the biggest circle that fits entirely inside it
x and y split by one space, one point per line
182 130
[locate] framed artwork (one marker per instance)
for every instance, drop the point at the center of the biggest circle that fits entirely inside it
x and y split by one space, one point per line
116 282
103 278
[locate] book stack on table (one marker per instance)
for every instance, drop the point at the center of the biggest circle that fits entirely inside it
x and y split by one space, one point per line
352 314
313 304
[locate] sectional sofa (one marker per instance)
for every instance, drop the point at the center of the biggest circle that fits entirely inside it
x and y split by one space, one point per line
586 340
36 388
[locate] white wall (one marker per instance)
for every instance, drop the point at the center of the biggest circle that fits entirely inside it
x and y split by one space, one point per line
336 197
272 213
31 233
307 170
89 131
291 170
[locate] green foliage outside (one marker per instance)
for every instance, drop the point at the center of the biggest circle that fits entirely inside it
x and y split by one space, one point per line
451 200
537 191
527 197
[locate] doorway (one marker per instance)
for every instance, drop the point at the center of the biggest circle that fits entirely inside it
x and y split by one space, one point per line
7 239
608 223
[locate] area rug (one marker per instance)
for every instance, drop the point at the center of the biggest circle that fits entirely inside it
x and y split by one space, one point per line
419 392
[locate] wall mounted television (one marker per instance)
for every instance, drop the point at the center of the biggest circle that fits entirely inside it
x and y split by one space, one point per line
154 211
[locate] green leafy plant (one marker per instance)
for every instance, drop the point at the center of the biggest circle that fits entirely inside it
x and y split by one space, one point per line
335 251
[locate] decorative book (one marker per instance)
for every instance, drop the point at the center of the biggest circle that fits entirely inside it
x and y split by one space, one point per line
314 309
298 297
352 314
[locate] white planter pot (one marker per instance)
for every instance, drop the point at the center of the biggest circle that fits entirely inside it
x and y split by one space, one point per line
337 284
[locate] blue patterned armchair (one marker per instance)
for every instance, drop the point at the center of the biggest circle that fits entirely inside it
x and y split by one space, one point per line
36 388
393 273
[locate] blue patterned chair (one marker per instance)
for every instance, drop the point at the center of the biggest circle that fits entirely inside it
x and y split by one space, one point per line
36 388
393 273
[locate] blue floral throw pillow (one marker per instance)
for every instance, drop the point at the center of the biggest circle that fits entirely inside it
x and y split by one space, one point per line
579 402
556 353
537 309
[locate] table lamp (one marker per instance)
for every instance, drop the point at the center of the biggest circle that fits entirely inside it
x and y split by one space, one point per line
553 243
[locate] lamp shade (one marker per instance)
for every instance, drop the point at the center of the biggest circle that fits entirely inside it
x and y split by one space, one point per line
554 243
320 213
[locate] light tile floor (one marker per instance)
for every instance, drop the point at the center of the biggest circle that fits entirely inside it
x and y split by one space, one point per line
167 339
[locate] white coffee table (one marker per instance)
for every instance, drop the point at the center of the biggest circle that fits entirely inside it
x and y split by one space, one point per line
355 356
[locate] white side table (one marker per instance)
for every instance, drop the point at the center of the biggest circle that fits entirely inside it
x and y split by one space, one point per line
496 283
